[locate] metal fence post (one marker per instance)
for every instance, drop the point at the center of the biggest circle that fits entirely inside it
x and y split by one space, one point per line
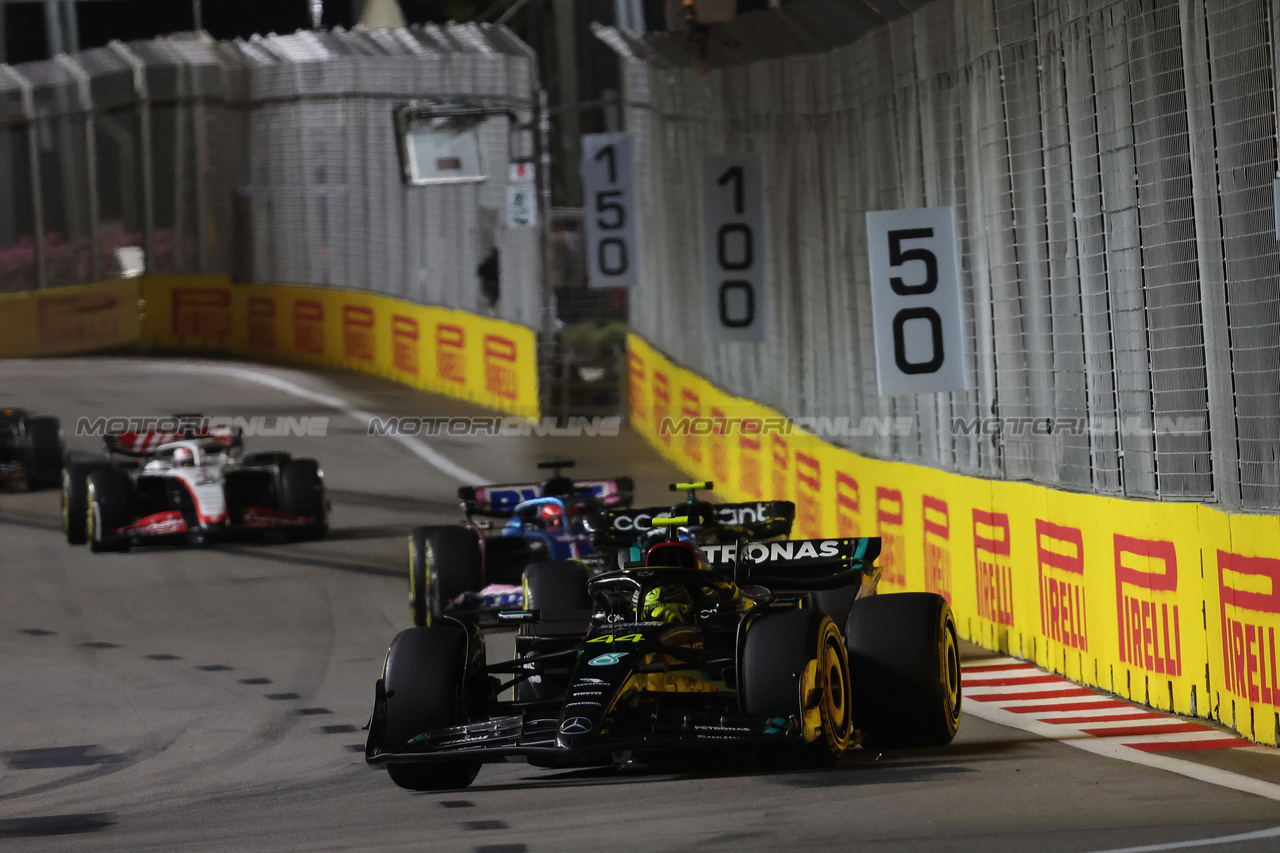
33 164
142 93
91 155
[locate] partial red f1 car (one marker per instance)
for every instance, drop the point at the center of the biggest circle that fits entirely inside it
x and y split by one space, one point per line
188 486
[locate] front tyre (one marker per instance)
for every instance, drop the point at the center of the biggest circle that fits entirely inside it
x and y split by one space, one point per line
110 506
904 656
423 679
75 500
444 562
794 664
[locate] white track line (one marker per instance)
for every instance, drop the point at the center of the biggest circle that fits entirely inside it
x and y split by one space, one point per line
1257 835
1118 748
414 445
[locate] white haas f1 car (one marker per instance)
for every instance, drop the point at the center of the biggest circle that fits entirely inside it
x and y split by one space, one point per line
174 487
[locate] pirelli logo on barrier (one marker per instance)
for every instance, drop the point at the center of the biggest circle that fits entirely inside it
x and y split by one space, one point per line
200 312
848 506
750 449
937 545
718 448
500 376
308 326
261 316
404 344
691 407
808 496
357 332
1146 583
451 353
661 404
84 319
1249 595
637 375
1060 558
893 544
992 548
780 468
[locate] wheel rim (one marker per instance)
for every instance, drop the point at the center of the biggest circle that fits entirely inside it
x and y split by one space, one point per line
834 664
66 501
91 515
413 583
950 671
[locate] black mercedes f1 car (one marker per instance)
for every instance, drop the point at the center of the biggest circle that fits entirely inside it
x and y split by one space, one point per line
689 649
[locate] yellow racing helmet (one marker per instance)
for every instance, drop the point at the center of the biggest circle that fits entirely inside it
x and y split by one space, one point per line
668 603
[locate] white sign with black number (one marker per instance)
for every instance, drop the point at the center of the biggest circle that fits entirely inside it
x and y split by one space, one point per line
733 247
915 301
609 191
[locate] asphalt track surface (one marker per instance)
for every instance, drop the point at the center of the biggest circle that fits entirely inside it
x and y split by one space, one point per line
213 699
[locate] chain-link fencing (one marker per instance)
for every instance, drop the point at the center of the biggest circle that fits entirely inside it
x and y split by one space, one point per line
273 160
1111 167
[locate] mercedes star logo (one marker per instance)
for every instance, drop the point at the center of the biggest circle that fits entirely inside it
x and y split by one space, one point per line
575 726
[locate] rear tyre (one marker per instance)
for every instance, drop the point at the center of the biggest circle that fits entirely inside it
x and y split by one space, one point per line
110 507
75 500
44 452
265 459
794 664
444 562
834 602
904 658
301 492
424 677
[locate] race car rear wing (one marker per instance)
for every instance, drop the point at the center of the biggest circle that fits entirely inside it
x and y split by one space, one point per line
754 520
796 565
500 500
146 443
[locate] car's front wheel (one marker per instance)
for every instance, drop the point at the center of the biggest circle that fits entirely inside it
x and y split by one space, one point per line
423 679
109 496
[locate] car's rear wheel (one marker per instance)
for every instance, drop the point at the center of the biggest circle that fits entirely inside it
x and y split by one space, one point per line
444 562
423 678
265 458
44 452
301 492
110 506
794 664
904 658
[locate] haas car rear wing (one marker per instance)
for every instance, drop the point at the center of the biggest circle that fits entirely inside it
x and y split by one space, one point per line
147 442
798 565
620 528
500 500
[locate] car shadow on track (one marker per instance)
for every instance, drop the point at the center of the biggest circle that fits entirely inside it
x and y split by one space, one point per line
310 561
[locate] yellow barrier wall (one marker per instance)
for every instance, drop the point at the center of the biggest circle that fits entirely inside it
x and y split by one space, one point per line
463 355
69 319
1171 604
